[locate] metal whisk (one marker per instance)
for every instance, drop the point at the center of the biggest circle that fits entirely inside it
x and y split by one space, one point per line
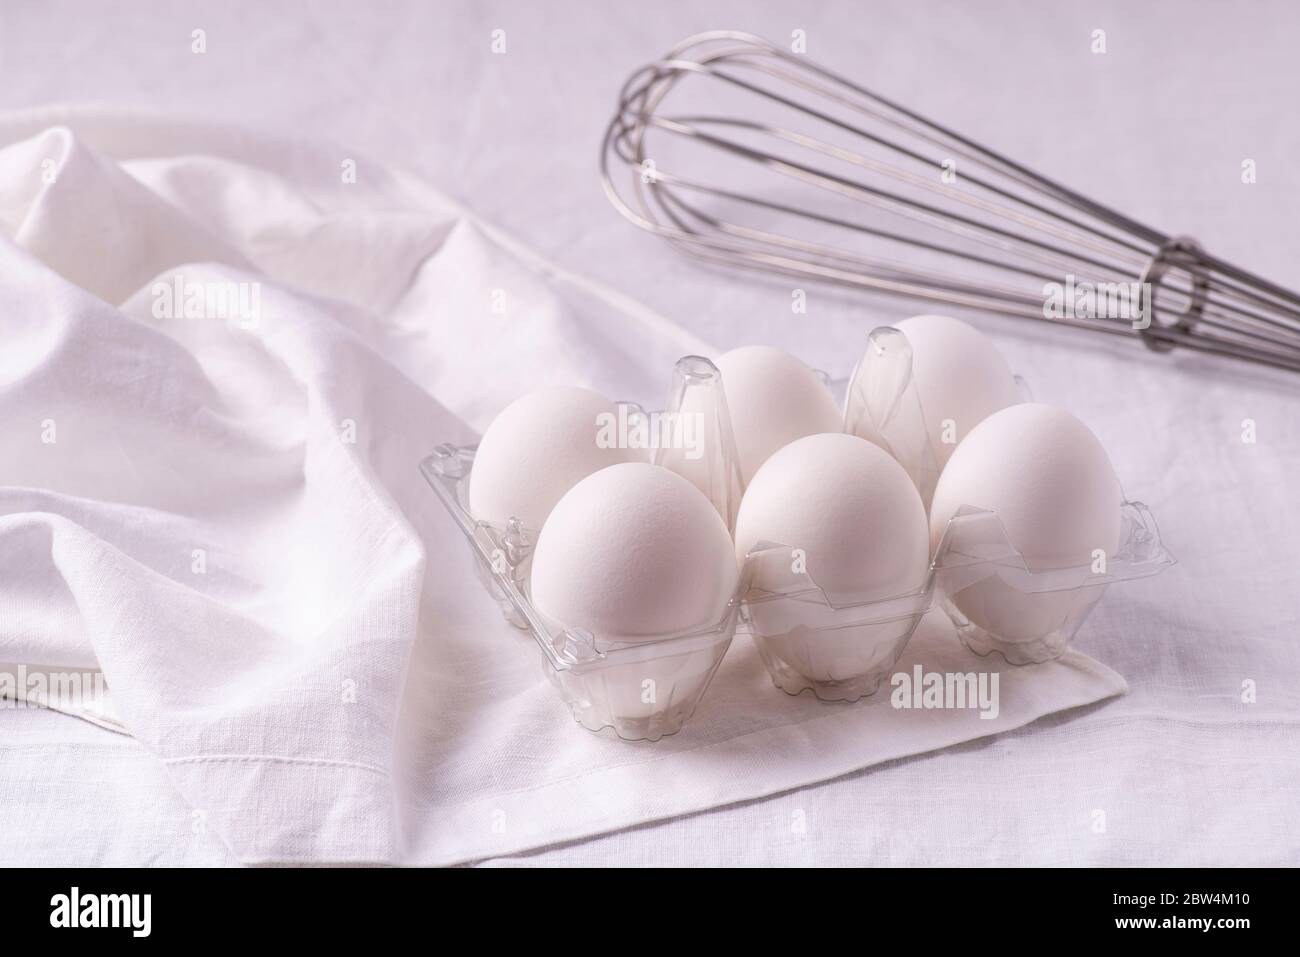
835 183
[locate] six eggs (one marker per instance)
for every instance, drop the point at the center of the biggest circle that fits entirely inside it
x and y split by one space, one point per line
630 551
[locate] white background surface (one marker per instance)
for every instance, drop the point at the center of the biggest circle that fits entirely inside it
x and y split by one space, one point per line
1182 769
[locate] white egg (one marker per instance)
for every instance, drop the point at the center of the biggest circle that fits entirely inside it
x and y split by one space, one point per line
773 399
960 379
537 449
631 553
1056 494
634 552
860 527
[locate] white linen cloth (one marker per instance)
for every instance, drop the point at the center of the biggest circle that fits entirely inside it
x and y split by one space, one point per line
220 507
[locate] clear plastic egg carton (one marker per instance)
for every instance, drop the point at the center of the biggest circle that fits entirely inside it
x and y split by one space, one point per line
808 640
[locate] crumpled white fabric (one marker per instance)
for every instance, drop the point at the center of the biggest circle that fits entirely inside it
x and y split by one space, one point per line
226 517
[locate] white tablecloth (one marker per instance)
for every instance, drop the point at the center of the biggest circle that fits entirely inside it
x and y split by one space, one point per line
1181 770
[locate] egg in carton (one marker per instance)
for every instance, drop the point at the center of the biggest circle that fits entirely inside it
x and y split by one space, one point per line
631 634
1028 524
